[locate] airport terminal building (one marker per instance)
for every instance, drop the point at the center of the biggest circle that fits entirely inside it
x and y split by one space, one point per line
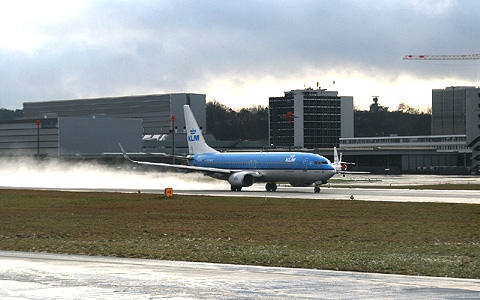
454 147
447 154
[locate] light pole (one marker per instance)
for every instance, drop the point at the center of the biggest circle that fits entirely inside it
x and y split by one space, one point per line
38 136
290 116
173 119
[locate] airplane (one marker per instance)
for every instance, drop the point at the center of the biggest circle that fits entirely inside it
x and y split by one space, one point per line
242 169
341 166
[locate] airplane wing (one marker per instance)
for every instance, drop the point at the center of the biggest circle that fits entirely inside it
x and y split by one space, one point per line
352 172
186 167
170 155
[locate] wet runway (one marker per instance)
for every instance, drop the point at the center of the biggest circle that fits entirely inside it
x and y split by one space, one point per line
394 195
333 191
56 276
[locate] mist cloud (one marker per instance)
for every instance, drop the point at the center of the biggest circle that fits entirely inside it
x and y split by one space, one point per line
55 174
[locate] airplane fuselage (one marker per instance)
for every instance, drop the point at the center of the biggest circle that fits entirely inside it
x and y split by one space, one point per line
293 167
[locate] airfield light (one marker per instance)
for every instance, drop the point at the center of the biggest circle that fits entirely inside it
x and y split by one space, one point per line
168 192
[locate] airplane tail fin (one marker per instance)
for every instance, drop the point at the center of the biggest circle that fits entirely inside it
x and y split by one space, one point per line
335 156
196 142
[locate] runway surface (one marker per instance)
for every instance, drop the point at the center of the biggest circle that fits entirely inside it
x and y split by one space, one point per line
56 276
333 193
373 193
396 195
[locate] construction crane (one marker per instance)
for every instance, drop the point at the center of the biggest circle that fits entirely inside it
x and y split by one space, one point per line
441 57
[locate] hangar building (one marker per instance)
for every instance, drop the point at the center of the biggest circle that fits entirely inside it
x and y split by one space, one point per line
154 110
69 136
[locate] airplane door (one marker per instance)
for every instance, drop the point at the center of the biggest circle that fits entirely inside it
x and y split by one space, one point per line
253 164
305 164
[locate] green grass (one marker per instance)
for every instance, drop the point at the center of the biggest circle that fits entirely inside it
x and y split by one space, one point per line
404 238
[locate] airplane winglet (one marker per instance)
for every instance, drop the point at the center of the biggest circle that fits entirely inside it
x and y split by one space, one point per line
124 153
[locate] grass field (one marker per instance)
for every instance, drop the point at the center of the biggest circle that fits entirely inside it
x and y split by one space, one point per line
403 238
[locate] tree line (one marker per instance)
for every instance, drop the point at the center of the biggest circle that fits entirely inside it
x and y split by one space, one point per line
7 114
225 123
405 121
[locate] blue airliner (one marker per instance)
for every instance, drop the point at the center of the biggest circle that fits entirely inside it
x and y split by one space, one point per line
242 169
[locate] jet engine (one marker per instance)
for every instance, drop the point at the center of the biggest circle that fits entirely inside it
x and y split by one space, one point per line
241 179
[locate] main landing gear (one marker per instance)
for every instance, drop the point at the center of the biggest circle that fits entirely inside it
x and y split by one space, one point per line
235 188
316 189
271 187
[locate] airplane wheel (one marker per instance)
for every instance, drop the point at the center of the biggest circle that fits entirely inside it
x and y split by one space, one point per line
316 189
268 186
271 187
235 188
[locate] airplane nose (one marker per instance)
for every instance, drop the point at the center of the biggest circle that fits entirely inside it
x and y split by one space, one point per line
331 173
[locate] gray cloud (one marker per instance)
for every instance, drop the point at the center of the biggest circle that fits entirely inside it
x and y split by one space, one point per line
121 48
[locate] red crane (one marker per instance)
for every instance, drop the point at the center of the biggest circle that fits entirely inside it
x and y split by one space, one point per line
441 57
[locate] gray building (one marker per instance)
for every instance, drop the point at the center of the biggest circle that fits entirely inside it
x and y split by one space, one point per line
67 136
320 118
448 110
456 110
442 153
472 126
154 110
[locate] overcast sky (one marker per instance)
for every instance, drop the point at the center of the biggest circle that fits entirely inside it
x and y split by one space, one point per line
236 52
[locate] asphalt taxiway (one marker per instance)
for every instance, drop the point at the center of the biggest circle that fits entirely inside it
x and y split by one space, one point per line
55 276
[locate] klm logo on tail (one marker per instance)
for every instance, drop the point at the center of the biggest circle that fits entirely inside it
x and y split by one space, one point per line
193 137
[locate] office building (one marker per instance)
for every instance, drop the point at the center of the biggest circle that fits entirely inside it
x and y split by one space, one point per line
472 126
448 110
310 118
456 110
